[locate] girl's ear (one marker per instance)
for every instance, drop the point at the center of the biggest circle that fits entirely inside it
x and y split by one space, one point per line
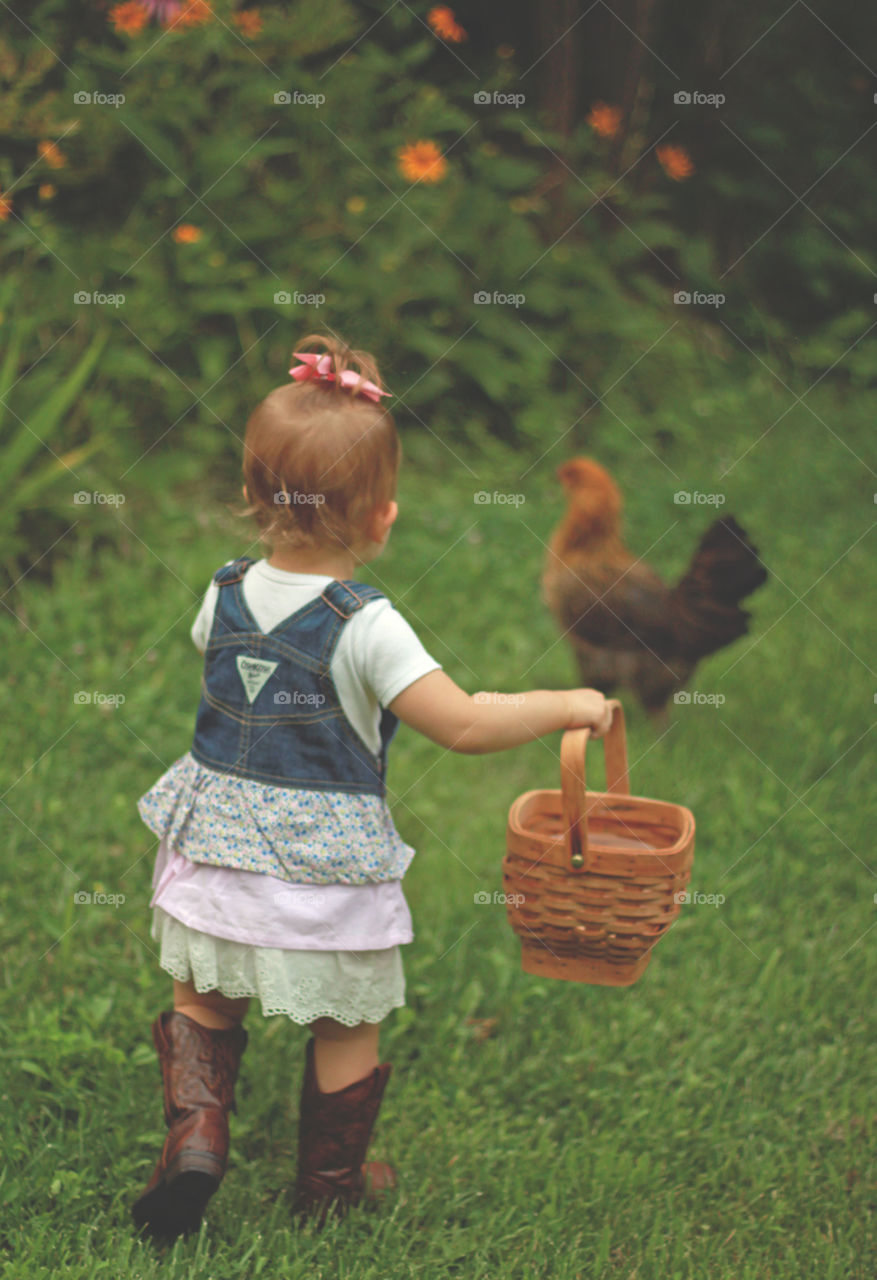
385 518
244 492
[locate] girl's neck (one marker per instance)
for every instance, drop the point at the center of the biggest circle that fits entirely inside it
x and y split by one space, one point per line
338 564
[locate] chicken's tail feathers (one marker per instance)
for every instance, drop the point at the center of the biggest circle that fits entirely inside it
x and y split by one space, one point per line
724 570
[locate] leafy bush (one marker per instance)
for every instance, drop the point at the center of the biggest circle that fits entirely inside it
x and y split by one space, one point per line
222 221
309 200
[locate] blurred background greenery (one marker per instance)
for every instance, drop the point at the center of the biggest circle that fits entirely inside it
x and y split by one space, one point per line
151 161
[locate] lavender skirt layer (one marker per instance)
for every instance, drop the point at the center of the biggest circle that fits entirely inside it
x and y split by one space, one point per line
243 906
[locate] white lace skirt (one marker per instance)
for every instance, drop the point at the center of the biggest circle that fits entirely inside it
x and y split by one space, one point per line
349 986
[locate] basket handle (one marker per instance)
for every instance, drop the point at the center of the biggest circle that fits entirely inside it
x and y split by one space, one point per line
572 780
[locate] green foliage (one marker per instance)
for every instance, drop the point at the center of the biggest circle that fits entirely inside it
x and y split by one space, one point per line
307 201
41 405
779 208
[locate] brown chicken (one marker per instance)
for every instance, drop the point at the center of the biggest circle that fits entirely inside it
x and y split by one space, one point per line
626 625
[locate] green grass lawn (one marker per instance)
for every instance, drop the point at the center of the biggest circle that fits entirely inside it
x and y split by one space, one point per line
715 1121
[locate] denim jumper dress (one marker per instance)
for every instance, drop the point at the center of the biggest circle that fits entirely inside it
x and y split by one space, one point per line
269 710
271 743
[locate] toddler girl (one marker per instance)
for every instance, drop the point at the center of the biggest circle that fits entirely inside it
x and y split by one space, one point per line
279 869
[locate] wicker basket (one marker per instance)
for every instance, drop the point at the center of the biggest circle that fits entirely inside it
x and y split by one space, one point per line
591 878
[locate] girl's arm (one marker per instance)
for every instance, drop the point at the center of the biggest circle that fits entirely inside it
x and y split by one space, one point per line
480 722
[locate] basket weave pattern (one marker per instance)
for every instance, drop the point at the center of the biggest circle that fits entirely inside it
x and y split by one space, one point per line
591 878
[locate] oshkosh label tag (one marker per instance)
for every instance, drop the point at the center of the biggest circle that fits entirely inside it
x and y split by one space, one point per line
254 672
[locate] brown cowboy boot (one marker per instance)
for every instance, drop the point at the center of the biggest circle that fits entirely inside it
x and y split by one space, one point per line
199 1067
333 1136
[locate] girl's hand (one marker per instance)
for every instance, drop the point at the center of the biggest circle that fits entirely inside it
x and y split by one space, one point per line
589 710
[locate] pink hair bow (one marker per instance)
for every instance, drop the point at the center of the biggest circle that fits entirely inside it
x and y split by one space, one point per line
318 368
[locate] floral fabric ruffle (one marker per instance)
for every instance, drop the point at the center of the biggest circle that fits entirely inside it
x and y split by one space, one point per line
303 836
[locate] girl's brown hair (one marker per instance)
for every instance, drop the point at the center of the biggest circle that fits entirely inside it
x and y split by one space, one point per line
319 457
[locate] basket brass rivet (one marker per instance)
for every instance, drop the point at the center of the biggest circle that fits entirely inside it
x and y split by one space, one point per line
577 860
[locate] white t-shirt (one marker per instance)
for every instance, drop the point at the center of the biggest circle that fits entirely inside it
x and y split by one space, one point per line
377 656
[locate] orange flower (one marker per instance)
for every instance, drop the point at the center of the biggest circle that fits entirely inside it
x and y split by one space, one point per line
441 19
248 22
47 191
129 18
422 162
5 206
52 155
605 120
676 162
194 13
185 233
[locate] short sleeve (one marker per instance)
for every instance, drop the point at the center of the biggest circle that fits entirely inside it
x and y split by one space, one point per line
387 652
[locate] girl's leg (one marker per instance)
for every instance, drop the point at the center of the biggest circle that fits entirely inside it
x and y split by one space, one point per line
341 1095
343 1055
209 1008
